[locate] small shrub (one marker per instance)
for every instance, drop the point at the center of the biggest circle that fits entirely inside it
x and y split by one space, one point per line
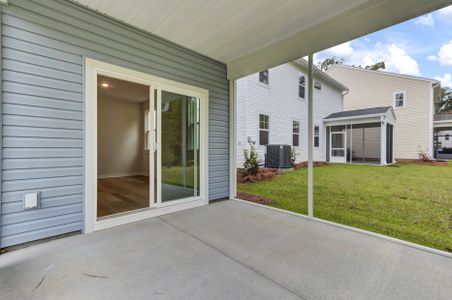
251 164
293 155
424 156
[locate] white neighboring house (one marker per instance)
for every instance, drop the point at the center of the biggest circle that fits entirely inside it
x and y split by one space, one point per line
272 109
412 98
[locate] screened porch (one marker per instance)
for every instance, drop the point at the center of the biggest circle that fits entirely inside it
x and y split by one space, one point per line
364 136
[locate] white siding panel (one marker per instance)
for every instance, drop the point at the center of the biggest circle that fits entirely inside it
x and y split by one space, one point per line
280 101
372 89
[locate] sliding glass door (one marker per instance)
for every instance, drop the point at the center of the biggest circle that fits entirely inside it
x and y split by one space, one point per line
146 146
150 138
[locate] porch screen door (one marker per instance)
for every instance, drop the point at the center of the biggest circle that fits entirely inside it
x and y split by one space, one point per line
338 150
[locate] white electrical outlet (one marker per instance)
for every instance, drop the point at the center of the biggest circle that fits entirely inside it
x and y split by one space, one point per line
31 200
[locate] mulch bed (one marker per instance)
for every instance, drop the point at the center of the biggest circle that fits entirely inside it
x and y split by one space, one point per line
304 164
267 173
262 174
255 199
440 163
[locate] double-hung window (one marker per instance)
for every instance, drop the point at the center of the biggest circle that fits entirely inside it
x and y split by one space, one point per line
317 85
264 127
295 133
399 99
316 136
302 86
263 76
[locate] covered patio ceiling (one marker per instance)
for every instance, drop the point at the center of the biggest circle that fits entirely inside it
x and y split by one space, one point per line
251 35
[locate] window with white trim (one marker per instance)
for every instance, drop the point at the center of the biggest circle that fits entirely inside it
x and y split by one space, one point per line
317 85
295 133
263 76
302 86
316 136
264 129
399 99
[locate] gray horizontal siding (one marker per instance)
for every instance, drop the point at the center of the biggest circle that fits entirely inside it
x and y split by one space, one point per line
43 45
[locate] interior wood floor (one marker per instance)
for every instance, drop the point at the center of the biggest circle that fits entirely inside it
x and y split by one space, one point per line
121 194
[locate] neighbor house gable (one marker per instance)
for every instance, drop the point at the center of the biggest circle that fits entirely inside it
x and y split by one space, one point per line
367 88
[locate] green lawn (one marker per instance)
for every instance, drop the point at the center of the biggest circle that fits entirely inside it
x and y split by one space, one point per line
174 176
407 201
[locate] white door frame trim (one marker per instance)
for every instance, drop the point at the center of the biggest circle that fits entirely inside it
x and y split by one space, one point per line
344 133
94 67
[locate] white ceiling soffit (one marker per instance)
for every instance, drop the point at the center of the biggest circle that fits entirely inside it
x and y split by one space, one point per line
252 35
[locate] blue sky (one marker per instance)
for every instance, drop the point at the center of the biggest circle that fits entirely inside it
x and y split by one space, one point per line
421 47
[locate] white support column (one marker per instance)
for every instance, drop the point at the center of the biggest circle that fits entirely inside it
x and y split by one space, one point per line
310 139
232 140
383 142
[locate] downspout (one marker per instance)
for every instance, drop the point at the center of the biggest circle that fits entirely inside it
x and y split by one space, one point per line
431 118
310 139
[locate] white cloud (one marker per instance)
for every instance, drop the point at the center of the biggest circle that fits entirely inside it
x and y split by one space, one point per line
426 20
342 50
395 57
445 54
446 80
432 57
401 61
445 12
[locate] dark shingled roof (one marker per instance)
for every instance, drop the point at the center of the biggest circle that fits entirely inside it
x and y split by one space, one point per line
443 117
359 112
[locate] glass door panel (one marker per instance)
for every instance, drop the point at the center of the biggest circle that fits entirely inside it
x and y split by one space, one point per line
179 146
123 129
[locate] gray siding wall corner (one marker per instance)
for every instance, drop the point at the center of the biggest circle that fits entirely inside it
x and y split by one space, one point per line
43 46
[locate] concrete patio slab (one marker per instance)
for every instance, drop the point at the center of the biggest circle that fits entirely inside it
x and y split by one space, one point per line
226 250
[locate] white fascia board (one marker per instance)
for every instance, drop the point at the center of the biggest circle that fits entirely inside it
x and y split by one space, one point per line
354 120
384 73
370 116
442 124
366 18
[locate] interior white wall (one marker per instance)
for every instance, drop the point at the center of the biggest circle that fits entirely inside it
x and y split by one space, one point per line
280 101
120 138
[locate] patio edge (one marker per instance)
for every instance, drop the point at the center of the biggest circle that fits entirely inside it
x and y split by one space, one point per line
362 231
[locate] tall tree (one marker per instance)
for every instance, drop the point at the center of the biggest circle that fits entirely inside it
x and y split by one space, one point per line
377 66
445 103
329 62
